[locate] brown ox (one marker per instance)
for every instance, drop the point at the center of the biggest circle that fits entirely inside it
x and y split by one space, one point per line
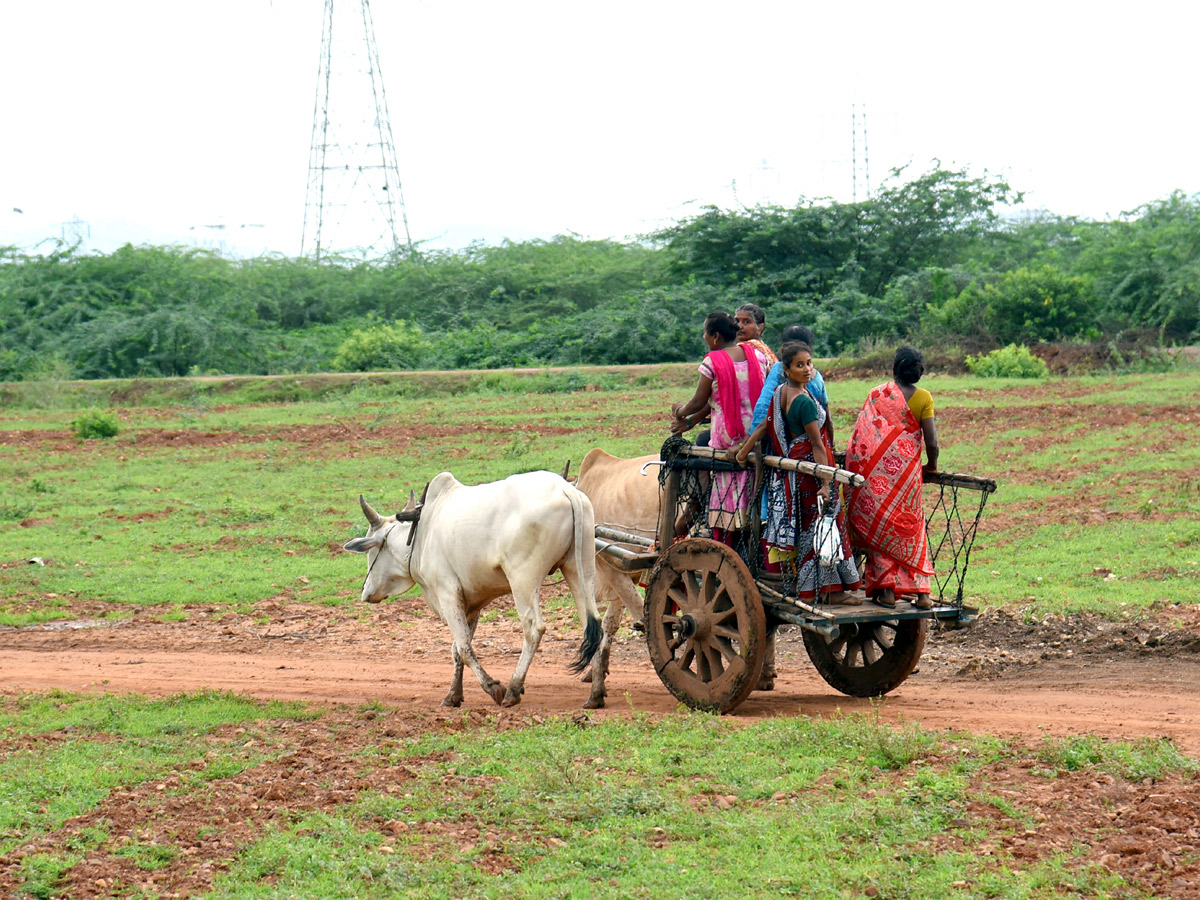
626 499
625 495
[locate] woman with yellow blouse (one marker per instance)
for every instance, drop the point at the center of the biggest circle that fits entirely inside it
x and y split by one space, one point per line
886 513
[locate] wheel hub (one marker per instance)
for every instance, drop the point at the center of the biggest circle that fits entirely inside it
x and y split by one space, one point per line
689 627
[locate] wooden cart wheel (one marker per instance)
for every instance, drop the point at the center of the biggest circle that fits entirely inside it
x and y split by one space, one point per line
868 659
705 625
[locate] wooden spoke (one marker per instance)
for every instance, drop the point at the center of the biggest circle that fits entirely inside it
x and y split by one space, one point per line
726 648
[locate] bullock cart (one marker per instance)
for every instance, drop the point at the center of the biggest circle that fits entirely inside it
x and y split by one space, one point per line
712 607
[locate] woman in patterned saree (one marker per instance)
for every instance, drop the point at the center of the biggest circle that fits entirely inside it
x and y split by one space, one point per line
731 377
794 429
886 513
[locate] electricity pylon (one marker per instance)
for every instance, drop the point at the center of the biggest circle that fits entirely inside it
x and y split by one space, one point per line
354 202
866 161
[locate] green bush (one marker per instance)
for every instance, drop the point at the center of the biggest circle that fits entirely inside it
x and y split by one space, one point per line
1007 362
1026 304
94 424
383 348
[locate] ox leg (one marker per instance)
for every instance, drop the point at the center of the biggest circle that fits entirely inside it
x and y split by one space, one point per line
599 670
606 636
462 629
618 589
454 697
625 586
606 592
766 680
528 602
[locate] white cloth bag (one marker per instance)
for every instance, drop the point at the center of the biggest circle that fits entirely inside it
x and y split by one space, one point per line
827 540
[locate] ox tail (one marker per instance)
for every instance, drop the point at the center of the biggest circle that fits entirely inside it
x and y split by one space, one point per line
592 633
584 540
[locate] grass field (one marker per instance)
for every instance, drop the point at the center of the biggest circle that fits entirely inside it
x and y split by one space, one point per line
282 802
227 494
219 498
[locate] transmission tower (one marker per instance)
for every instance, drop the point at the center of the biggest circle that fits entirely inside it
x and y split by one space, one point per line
354 201
866 161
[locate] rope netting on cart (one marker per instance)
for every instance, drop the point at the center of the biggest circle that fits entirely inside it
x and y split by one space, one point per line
950 527
718 499
712 500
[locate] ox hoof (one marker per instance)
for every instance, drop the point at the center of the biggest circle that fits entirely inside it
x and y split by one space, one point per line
594 703
497 693
766 683
587 677
510 700
452 703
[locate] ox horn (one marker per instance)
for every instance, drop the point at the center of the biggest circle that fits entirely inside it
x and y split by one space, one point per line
373 517
412 509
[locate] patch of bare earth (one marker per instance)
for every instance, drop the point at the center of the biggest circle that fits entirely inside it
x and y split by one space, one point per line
1146 832
312 766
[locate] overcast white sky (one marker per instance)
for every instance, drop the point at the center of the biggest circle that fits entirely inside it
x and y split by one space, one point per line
149 119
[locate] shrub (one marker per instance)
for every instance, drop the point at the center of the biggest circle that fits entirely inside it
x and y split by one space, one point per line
1026 304
94 424
1007 362
383 347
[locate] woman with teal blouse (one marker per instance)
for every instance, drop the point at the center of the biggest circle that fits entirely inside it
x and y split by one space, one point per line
794 429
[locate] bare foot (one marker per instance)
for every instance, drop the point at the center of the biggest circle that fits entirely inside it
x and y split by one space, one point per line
843 597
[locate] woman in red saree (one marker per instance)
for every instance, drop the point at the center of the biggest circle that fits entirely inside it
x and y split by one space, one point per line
886 513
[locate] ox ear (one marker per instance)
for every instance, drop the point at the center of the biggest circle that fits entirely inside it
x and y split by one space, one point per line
374 518
363 544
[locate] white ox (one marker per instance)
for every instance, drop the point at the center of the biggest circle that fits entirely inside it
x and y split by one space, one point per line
625 497
465 546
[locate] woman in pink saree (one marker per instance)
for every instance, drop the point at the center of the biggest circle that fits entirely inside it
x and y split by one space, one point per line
886 513
731 378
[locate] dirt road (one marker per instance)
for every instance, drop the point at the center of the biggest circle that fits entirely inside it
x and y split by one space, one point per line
1004 677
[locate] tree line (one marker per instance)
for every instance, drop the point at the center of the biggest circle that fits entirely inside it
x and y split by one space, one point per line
928 259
